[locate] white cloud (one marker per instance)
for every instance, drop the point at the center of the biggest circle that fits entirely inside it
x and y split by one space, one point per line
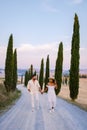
32 54
2 56
83 57
49 8
77 1
47 5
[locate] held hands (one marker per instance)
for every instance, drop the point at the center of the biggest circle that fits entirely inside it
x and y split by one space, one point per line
29 90
42 91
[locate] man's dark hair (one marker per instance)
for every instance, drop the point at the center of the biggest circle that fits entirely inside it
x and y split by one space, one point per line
33 75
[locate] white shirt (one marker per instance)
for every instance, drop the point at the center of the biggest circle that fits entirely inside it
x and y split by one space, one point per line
33 86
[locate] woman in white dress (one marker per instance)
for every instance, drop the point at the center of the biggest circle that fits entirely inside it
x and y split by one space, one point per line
51 93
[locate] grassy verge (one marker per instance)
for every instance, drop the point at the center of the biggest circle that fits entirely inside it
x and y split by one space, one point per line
6 99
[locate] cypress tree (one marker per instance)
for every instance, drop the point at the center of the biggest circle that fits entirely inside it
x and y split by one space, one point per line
47 73
9 65
31 71
41 75
58 68
26 78
14 70
75 56
28 75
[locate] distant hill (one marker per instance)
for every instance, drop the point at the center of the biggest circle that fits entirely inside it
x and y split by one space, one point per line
22 71
83 71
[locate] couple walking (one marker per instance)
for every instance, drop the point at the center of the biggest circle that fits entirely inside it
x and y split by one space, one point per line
34 89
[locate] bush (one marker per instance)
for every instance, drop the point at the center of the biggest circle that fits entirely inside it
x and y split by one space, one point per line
7 99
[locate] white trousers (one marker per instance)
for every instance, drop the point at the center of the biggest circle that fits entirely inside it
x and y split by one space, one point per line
52 100
35 100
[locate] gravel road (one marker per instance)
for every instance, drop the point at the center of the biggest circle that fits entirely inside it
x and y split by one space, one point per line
21 117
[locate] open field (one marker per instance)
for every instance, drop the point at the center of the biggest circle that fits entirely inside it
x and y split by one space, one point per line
81 101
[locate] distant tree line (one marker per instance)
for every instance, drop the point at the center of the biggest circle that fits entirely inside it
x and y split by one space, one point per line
83 76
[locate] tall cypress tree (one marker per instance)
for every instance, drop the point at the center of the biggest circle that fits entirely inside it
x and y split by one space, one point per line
14 70
28 75
75 56
26 78
58 67
9 65
47 73
31 71
41 75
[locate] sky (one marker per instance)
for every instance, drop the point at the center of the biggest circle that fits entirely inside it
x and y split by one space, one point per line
38 26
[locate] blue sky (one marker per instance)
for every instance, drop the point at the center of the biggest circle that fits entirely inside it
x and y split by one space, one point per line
38 26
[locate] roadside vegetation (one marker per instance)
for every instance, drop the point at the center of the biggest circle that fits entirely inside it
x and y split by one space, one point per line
7 99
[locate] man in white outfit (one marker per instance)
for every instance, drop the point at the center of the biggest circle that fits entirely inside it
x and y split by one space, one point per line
34 88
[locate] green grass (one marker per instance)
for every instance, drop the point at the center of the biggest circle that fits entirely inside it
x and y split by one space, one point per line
7 99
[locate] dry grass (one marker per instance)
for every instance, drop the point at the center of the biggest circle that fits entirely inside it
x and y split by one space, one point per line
81 101
7 99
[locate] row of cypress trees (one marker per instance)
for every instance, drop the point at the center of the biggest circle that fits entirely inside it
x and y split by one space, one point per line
74 65
43 80
10 67
58 70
